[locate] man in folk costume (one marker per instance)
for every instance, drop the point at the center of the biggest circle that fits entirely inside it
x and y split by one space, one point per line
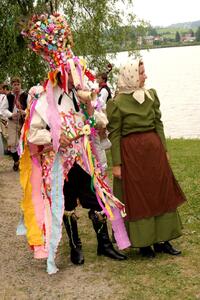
58 160
13 108
3 120
104 90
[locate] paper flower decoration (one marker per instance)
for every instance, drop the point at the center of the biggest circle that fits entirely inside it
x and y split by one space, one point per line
50 36
86 129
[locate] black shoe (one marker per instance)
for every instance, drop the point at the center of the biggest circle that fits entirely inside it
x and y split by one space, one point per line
147 252
158 247
16 166
168 248
123 256
109 251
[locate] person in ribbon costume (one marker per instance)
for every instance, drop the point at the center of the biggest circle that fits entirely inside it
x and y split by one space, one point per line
58 158
142 174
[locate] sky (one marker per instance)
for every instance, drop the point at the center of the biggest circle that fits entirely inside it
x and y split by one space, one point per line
167 12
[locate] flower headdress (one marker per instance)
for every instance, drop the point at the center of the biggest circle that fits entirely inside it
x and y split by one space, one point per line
50 36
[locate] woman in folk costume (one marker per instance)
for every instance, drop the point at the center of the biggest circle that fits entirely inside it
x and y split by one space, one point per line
142 175
58 160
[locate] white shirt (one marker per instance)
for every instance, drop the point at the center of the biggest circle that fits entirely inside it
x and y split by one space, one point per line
4 108
103 96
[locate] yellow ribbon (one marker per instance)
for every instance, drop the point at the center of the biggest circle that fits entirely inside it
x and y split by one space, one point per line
34 233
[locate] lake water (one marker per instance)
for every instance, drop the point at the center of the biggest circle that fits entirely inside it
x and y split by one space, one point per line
175 74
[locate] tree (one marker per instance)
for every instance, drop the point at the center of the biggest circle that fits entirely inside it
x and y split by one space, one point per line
15 57
191 32
198 35
98 27
152 31
177 37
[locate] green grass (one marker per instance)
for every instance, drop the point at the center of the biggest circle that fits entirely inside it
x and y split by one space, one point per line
165 277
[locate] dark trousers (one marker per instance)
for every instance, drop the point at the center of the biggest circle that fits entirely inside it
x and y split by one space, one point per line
78 186
15 156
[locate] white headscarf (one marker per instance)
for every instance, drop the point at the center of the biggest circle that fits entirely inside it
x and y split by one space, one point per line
128 81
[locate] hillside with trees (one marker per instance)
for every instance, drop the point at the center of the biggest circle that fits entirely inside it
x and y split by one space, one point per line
180 34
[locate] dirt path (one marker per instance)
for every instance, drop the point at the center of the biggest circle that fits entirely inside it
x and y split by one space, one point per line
22 277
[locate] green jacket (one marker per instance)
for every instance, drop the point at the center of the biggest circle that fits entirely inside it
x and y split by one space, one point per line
126 116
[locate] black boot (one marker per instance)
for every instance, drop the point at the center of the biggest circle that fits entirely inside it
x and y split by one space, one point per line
105 246
74 240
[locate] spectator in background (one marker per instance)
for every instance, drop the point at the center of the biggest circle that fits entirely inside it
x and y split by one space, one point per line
104 95
4 90
104 90
13 108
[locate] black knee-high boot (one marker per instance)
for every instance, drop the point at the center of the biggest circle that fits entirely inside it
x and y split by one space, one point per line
76 255
105 246
15 157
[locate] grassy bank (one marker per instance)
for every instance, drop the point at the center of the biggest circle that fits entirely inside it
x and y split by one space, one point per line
166 277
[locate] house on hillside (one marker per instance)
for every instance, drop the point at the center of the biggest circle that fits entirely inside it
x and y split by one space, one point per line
187 37
148 40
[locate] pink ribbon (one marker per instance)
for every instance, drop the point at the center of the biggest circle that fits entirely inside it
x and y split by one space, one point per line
53 117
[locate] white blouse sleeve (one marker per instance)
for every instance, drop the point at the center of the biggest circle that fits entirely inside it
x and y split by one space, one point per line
4 108
38 134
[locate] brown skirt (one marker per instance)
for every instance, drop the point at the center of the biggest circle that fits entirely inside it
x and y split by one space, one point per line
149 186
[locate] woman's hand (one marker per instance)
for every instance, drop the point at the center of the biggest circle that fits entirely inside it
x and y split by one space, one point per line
15 116
64 141
116 171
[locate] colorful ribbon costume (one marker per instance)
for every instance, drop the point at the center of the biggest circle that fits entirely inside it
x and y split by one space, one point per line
44 165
